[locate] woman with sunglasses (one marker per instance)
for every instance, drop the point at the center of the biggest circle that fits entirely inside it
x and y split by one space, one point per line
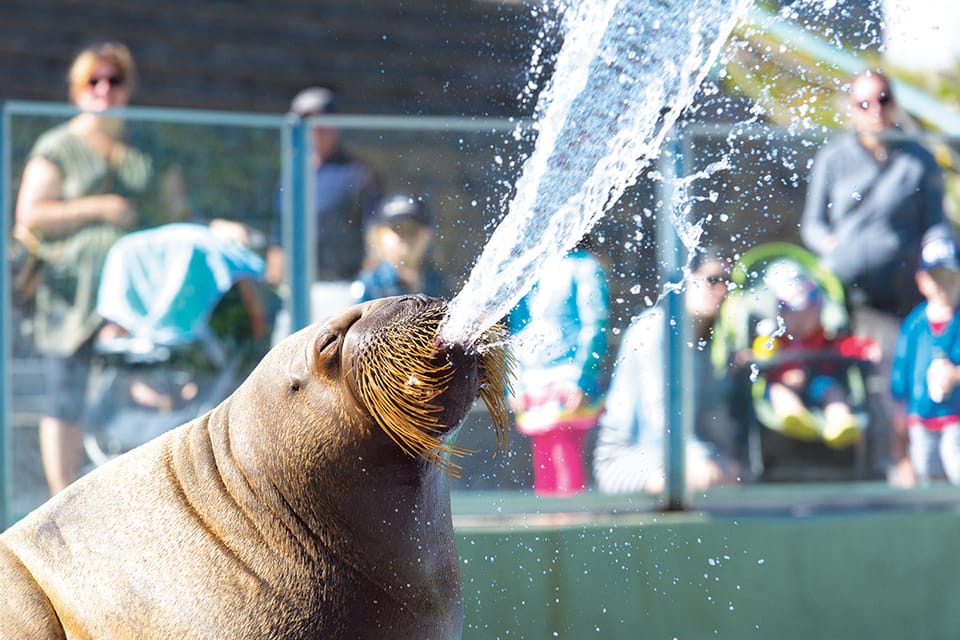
84 185
629 454
872 195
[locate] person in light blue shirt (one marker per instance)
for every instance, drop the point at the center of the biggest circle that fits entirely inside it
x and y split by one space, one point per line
162 284
629 456
560 342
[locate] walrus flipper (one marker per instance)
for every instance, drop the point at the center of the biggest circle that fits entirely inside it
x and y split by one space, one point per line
26 611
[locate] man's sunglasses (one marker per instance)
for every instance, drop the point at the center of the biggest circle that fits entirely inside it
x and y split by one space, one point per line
883 100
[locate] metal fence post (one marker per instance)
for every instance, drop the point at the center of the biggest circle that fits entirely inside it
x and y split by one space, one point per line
295 174
5 335
677 379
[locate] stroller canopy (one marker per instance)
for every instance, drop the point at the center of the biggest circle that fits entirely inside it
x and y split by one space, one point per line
162 284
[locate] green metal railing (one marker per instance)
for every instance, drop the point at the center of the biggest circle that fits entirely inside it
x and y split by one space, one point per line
235 163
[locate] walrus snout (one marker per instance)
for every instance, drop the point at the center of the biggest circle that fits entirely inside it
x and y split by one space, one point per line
415 387
396 308
392 351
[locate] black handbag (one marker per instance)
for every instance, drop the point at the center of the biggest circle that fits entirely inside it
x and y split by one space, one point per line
26 266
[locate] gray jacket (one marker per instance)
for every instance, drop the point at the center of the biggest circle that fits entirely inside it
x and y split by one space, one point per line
878 213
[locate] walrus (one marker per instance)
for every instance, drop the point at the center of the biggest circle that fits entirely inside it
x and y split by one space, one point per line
311 503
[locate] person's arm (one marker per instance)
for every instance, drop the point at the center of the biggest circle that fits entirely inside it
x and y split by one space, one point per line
41 208
815 228
254 306
900 369
634 402
174 189
932 190
593 309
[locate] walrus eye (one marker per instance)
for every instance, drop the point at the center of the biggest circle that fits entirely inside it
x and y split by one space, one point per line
294 386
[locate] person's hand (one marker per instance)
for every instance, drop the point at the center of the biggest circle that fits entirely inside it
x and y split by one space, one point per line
794 377
230 230
742 358
517 404
117 210
901 475
828 244
574 400
701 477
940 379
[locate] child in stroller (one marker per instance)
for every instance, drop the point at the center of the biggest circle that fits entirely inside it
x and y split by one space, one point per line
786 324
159 362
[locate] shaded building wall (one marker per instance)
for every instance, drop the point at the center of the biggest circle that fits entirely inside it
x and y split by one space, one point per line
449 57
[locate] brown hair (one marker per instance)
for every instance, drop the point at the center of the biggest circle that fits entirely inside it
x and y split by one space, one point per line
112 52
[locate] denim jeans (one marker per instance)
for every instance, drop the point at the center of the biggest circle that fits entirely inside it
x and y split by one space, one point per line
936 453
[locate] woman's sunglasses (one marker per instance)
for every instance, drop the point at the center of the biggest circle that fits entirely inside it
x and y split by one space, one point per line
113 81
714 280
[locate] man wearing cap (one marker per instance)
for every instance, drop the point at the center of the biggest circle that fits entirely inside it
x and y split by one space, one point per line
398 260
925 374
345 193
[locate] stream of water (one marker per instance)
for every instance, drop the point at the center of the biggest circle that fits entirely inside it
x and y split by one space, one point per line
625 72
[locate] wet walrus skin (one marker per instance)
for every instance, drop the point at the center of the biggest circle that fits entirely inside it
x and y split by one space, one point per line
285 512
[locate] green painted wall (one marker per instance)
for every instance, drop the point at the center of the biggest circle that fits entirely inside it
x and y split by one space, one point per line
850 575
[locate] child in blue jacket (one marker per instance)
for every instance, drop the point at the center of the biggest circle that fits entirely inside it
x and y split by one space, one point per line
925 363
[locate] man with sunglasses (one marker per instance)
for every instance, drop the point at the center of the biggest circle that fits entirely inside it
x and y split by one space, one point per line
872 195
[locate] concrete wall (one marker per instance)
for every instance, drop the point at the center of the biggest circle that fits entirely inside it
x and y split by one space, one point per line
848 575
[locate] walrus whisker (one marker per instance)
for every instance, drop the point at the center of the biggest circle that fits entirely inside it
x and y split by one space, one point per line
402 375
497 366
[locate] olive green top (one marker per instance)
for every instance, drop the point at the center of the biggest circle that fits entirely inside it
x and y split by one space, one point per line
65 315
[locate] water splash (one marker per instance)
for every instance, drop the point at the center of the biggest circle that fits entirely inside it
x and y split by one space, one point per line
625 72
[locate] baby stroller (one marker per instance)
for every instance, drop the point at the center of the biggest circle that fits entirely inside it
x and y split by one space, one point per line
747 332
159 361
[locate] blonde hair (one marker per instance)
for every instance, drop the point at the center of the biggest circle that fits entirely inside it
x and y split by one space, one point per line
111 52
